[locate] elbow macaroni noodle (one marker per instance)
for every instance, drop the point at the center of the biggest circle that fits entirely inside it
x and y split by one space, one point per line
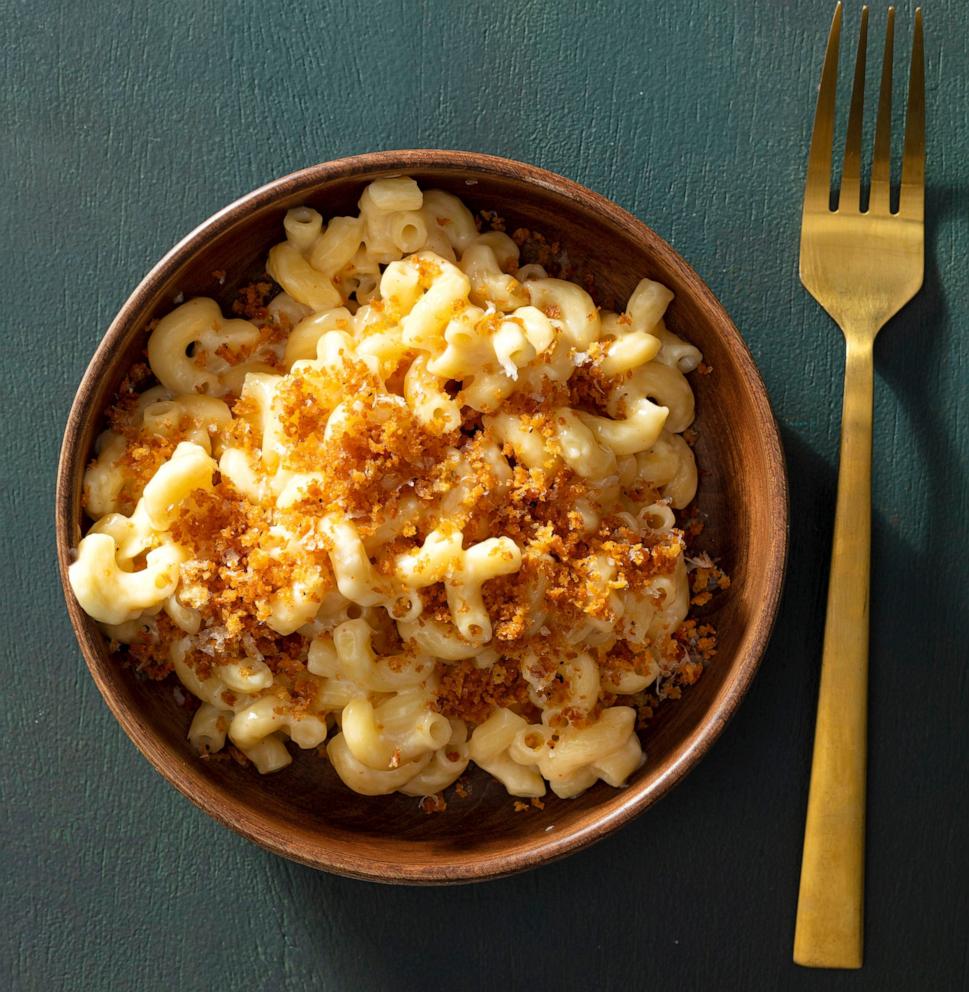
416 508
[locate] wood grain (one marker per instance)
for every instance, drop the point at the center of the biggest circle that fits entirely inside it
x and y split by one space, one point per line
305 812
126 126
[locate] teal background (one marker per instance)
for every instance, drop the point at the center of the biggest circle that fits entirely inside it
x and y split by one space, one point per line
125 125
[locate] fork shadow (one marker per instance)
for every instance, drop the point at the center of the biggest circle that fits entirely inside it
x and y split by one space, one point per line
919 473
911 541
918 609
918 614
910 358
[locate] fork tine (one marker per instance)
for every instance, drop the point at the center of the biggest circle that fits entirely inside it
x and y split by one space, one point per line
881 164
817 188
911 202
850 195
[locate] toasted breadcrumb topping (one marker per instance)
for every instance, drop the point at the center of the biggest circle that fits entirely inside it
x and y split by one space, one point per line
379 460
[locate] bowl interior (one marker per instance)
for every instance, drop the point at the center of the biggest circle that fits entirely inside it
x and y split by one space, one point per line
305 812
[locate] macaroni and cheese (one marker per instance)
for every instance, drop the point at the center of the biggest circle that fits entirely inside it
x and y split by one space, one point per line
412 503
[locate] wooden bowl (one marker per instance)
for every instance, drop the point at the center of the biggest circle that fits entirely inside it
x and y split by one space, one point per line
304 812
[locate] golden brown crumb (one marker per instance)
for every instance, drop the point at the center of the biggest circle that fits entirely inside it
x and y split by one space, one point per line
471 694
149 652
252 299
433 804
238 757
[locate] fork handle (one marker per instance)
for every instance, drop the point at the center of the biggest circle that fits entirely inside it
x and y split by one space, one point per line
830 907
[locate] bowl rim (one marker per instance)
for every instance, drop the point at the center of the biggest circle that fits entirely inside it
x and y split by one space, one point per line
239 816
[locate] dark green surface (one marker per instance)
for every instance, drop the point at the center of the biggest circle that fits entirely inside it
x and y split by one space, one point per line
125 126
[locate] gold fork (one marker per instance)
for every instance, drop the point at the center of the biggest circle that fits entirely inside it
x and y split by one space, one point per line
862 267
